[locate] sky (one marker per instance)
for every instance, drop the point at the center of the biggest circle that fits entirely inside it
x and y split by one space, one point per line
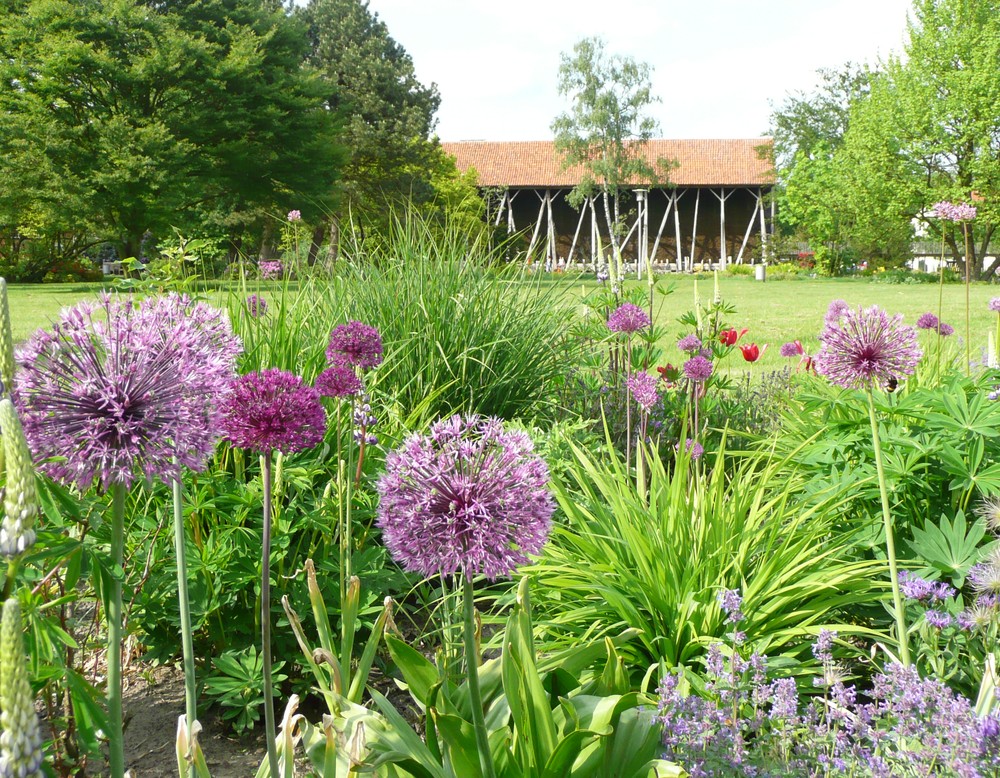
719 66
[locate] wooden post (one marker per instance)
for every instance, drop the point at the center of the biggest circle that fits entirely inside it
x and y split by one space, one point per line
763 229
642 256
576 234
694 225
663 223
677 230
746 235
538 226
551 252
593 233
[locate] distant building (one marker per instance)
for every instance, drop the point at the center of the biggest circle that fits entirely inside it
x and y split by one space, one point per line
714 209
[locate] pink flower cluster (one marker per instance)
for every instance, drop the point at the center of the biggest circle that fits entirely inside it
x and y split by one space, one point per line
955 212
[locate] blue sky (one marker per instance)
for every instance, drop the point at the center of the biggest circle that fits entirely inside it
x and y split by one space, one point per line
718 65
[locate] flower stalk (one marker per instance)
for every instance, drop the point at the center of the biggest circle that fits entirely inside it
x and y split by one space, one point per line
890 544
472 671
115 623
265 620
183 603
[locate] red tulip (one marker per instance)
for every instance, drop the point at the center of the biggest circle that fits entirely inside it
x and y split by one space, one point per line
730 336
752 353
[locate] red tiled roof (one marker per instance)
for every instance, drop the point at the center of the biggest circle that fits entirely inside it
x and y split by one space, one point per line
701 162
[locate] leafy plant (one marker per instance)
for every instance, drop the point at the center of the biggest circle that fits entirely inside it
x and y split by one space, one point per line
237 685
653 559
561 715
949 547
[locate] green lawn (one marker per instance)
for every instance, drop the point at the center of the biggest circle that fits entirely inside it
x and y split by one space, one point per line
774 311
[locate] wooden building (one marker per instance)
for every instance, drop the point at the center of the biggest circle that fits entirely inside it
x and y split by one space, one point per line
714 209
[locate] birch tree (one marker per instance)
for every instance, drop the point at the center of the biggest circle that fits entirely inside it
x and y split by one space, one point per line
606 128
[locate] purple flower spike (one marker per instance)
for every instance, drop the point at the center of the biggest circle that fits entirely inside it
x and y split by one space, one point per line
867 348
469 496
273 410
338 381
628 318
355 345
698 369
643 389
117 389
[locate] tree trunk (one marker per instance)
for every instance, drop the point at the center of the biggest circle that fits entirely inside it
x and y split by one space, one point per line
315 243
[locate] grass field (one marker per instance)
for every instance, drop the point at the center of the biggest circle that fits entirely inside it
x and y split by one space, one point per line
774 311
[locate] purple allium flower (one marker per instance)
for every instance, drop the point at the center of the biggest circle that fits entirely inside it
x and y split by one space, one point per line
271 269
355 345
698 369
256 306
629 318
927 321
837 309
469 496
693 447
994 304
937 619
793 349
338 381
944 330
643 388
956 212
273 410
116 388
294 215
867 348
690 343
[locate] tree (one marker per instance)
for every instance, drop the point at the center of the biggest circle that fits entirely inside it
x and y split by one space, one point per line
808 130
606 128
389 114
141 117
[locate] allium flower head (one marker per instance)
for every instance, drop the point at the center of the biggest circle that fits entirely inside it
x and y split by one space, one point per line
989 511
698 369
692 447
256 306
994 304
690 343
944 330
294 215
469 496
118 389
867 348
20 735
643 388
21 504
835 311
355 345
793 349
272 410
628 318
338 381
927 321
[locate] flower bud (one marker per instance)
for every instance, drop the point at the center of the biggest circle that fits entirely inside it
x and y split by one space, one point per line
21 504
21 737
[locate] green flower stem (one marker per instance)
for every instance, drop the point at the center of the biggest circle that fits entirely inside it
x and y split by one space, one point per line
265 622
996 342
890 543
116 738
937 359
968 305
183 603
472 670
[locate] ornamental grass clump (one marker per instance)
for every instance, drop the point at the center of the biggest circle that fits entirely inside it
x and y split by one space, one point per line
467 498
117 391
267 411
865 349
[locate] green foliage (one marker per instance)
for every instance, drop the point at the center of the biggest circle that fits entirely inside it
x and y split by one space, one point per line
462 333
654 558
236 684
606 127
949 547
567 714
119 117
